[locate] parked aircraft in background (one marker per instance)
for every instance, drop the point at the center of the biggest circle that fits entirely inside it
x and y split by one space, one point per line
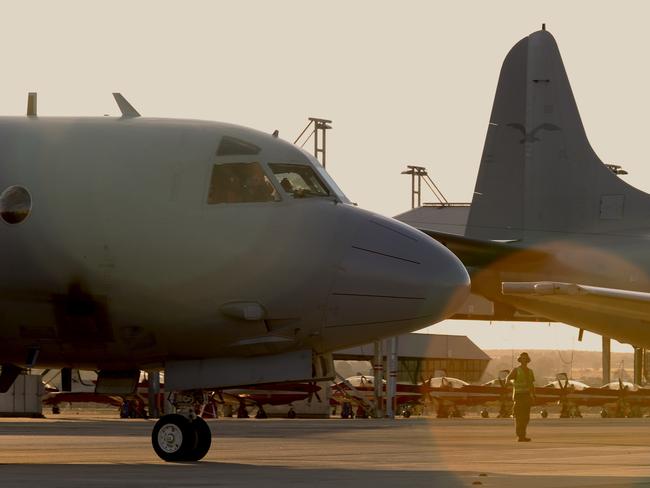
132 405
450 395
359 392
618 399
135 405
220 253
269 394
552 231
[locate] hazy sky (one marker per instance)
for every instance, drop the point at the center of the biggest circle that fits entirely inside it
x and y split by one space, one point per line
403 82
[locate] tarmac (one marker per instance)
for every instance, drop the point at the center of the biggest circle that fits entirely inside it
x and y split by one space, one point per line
101 452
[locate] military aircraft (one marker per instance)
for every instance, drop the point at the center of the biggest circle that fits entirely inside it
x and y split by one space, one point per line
553 232
449 394
618 398
132 405
273 394
221 254
359 390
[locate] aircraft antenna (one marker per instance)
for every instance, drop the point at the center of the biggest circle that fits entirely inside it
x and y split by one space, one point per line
31 104
319 131
616 169
419 174
125 107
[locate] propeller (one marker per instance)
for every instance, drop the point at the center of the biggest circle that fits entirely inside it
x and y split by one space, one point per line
425 389
563 380
503 377
313 388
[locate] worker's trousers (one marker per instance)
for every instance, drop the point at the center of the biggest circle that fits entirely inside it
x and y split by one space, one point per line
522 413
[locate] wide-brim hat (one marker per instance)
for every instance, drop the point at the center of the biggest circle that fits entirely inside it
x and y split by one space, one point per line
523 355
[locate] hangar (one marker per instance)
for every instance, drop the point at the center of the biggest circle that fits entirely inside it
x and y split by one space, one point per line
427 355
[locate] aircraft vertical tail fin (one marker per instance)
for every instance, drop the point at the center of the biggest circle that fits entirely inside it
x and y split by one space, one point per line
538 171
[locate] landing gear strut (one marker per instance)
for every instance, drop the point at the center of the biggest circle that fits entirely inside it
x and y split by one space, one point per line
182 436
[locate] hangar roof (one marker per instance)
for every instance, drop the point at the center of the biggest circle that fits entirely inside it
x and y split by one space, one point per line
425 346
450 218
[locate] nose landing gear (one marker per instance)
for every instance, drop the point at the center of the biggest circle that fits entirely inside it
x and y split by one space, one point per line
181 436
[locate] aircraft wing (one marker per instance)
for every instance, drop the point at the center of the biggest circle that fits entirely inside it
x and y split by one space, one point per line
621 303
611 301
478 252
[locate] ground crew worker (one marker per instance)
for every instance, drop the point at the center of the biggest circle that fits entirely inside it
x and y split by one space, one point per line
523 394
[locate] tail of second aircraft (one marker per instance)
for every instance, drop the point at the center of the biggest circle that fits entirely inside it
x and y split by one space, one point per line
538 171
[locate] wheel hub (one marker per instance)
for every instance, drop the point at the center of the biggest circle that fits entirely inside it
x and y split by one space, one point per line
170 438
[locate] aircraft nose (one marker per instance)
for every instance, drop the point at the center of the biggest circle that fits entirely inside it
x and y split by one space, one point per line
394 279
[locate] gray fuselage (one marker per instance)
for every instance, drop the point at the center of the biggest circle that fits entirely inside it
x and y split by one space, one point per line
122 262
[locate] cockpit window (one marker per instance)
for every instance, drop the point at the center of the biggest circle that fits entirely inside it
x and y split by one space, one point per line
299 180
231 146
240 183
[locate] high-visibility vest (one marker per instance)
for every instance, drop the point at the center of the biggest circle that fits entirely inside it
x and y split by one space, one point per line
523 380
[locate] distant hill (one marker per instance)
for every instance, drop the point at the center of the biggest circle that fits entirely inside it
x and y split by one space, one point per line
584 366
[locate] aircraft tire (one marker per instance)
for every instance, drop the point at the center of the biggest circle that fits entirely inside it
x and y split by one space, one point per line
544 413
485 414
406 414
291 414
203 440
174 438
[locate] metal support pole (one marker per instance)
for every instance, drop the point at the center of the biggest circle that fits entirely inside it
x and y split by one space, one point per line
321 126
324 128
393 373
378 366
607 360
413 190
638 365
153 384
316 146
391 386
388 403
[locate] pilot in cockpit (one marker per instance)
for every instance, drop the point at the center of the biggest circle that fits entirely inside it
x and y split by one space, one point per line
286 185
257 188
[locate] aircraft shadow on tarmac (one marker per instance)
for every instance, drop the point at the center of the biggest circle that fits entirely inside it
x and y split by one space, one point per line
216 474
233 475
227 427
